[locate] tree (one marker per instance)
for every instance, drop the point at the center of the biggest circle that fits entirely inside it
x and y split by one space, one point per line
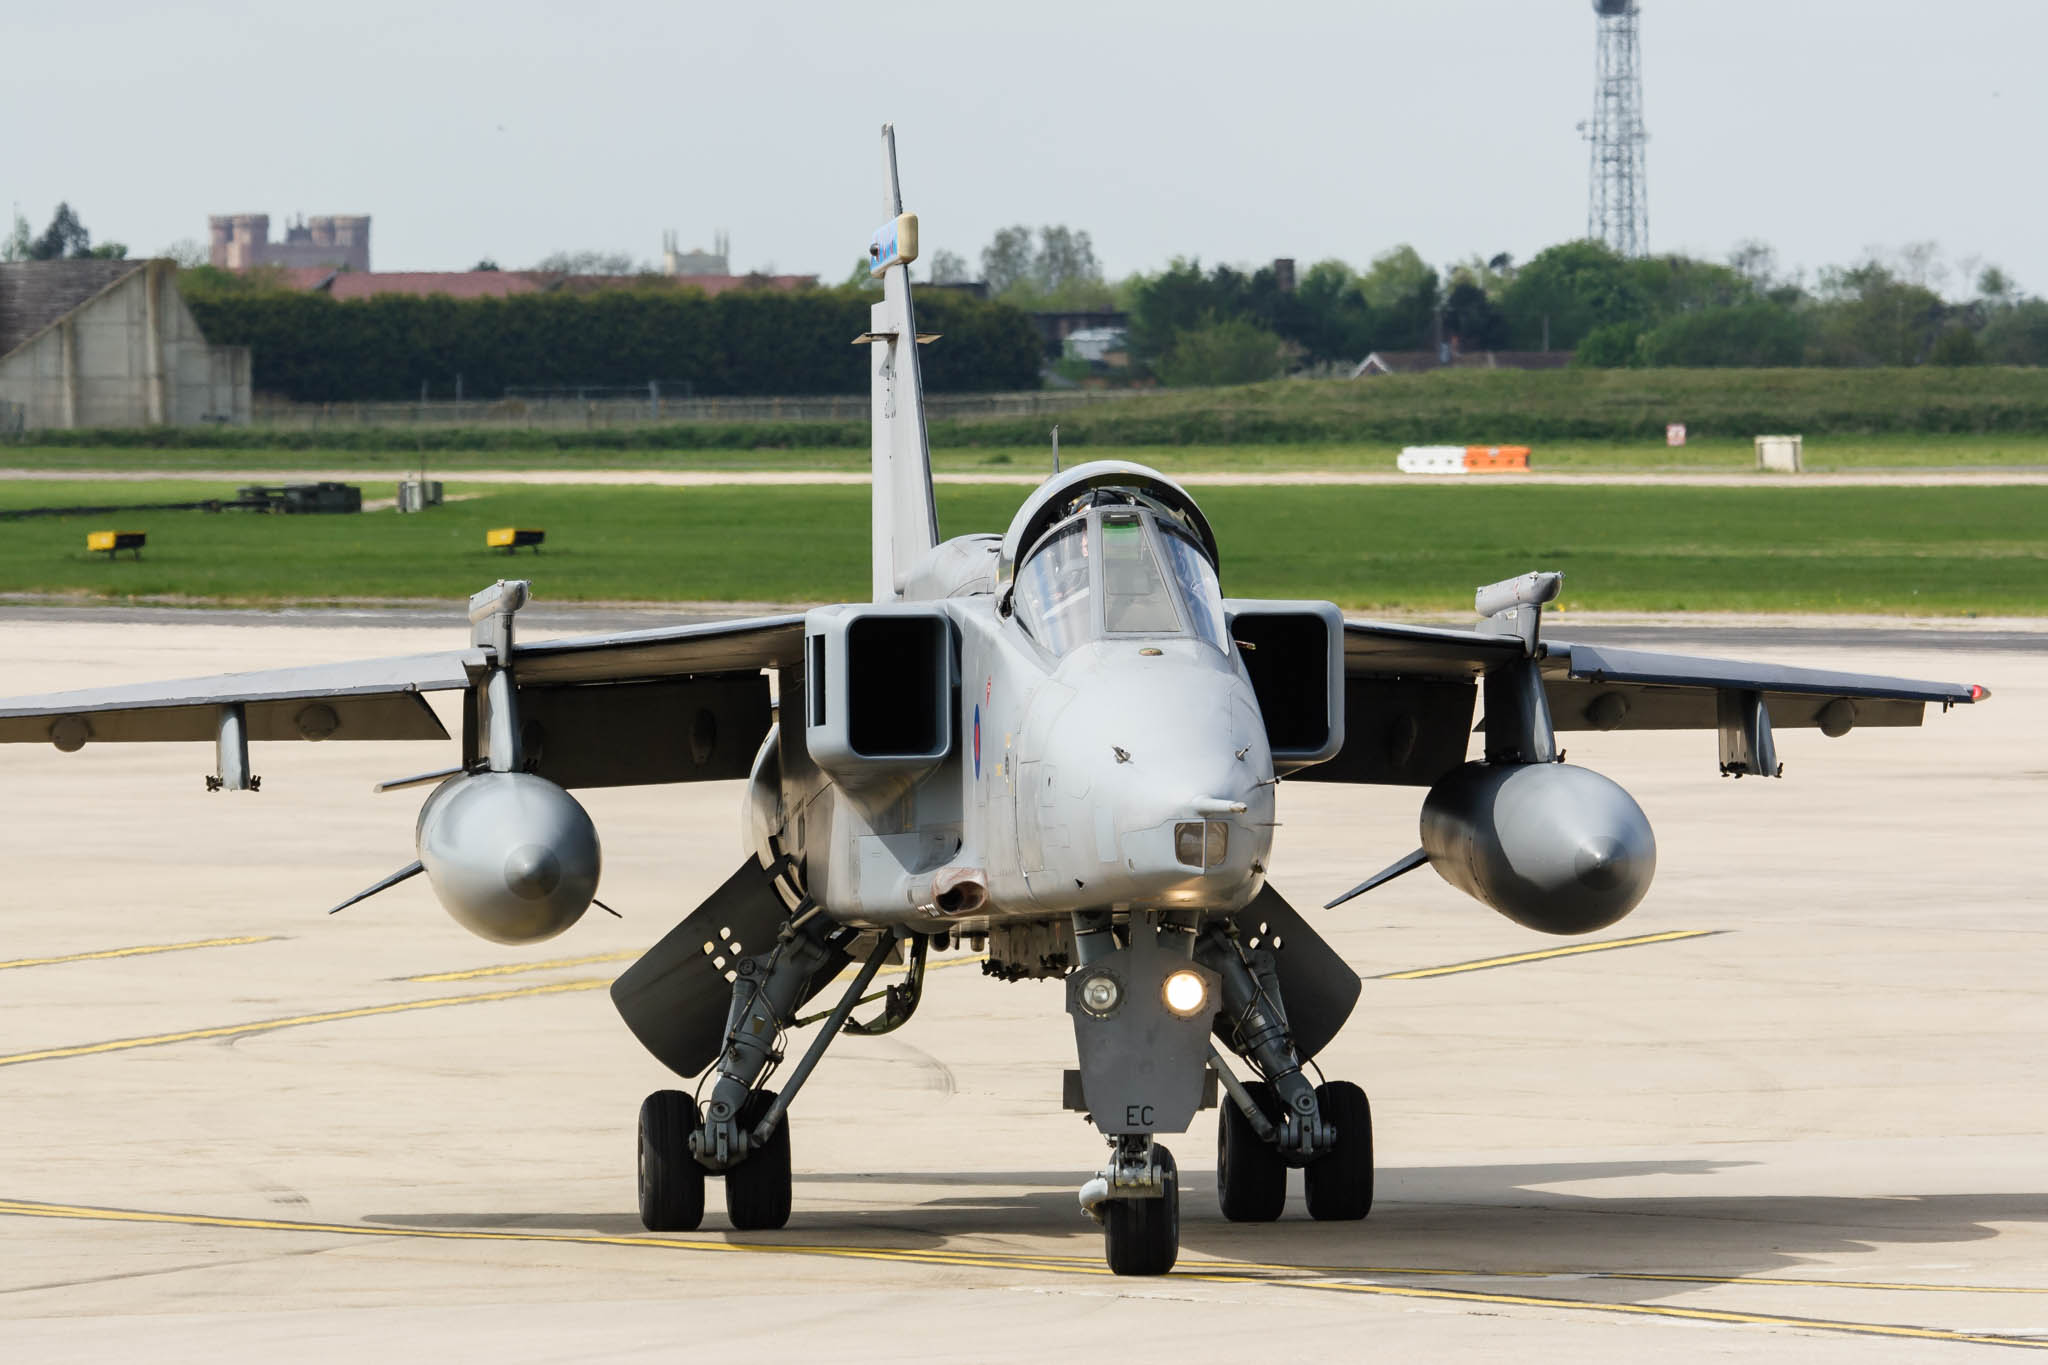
1616 346
1474 320
1393 276
1055 270
1995 286
65 236
1327 316
1956 346
1869 316
1755 334
1007 260
485 264
1065 258
2018 335
108 251
586 263
187 253
1237 351
19 241
1567 291
1180 299
947 267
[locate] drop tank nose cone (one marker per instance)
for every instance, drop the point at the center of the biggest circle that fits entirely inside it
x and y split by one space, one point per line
531 872
1598 864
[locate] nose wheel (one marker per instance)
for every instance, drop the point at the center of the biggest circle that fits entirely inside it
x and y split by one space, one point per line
1141 1236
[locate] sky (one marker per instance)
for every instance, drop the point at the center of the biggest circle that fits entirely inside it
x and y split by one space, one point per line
1224 132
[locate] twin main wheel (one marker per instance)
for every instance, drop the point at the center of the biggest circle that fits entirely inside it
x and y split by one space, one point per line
1251 1175
757 1191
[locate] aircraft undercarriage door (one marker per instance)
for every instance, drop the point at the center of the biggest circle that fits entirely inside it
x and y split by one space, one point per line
1318 988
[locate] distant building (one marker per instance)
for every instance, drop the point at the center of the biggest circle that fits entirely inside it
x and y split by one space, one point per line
1105 346
1055 328
241 241
1451 358
111 344
696 261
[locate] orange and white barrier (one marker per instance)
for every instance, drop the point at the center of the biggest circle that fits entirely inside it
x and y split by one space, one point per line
1463 460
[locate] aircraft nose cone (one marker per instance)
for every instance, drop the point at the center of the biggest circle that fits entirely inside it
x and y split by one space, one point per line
531 872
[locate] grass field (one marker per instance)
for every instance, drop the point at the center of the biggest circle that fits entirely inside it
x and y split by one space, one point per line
1892 451
1921 550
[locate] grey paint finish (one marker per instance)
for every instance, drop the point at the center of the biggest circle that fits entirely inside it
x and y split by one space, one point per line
511 856
1556 848
1599 663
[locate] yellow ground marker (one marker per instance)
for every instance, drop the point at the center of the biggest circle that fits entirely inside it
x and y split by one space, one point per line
513 968
138 951
1513 959
1214 1272
295 1021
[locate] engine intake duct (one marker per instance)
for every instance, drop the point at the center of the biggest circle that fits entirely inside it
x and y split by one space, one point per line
1555 848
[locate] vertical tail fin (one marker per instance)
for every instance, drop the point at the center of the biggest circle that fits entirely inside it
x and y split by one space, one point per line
906 523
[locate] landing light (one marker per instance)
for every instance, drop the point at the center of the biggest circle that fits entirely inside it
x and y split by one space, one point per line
1099 993
1185 992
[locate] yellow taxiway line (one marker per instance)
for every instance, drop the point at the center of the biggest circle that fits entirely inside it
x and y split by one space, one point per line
513 968
296 1021
1218 1272
1571 950
140 950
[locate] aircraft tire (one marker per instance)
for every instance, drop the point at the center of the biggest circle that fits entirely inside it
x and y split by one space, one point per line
1142 1236
1339 1183
757 1191
1251 1175
671 1181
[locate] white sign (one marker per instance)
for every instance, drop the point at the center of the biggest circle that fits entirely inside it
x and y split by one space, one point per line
1674 434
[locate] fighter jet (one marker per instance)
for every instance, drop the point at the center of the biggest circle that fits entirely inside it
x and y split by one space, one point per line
1061 746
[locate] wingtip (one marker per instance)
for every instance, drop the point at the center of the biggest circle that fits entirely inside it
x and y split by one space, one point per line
1979 692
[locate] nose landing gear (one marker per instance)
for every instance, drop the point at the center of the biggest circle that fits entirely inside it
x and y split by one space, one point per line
1136 1198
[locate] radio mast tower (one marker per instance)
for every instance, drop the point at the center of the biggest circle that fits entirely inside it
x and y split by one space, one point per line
1618 207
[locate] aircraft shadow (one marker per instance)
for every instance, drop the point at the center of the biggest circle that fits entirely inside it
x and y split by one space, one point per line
1485 1219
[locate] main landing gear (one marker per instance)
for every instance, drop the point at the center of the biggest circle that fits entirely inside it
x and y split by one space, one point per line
1267 1125
742 1133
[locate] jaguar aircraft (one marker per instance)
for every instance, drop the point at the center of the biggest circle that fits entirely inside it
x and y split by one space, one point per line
1061 745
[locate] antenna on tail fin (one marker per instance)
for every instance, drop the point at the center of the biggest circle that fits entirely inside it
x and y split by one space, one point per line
906 522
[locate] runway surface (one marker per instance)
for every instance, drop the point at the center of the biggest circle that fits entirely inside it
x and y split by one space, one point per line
1795 1105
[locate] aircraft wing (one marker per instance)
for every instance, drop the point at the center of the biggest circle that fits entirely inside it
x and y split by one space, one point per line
1411 694
607 706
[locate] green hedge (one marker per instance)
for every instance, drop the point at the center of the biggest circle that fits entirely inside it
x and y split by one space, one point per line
312 348
1495 406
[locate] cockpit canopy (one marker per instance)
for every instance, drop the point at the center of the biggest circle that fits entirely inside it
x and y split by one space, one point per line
1122 566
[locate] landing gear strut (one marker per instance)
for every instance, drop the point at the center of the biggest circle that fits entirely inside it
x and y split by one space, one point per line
743 1132
1267 1125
